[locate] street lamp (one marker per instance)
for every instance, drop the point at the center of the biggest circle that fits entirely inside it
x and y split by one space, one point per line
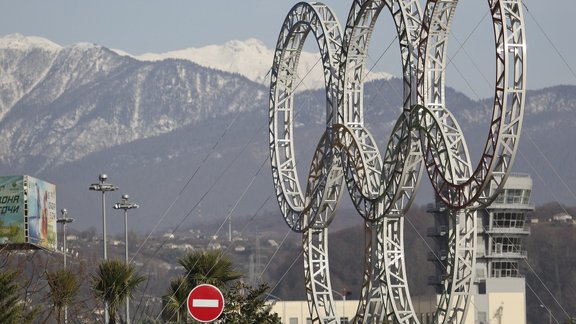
125 205
549 313
274 299
103 186
344 293
65 220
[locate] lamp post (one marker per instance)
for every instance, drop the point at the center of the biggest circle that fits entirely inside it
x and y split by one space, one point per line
65 220
344 293
103 186
276 299
549 313
125 205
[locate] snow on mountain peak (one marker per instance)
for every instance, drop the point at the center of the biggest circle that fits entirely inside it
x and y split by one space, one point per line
250 58
84 46
24 43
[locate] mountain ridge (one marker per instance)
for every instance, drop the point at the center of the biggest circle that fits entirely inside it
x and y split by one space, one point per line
190 141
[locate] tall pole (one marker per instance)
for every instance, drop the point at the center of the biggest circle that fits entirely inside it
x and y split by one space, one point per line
230 229
126 234
125 205
103 186
65 220
343 295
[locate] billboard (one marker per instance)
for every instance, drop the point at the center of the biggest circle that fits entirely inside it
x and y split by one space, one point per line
41 213
12 224
27 212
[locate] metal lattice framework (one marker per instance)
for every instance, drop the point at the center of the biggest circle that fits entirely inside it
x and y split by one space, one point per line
426 136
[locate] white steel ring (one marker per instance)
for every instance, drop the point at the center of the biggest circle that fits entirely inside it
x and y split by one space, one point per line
324 182
444 150
458 185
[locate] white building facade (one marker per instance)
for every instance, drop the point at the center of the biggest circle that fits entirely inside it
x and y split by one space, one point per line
499 292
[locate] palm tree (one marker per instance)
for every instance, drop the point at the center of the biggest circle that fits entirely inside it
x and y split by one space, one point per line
113 282
175 307
63 287
208 267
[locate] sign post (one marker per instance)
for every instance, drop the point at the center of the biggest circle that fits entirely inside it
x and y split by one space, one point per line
205 303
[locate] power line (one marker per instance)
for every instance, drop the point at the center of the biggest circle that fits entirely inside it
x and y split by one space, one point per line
540 300
247 187
549 40
179 195
547 289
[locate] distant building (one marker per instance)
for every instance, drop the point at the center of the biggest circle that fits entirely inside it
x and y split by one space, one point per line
273 243
562 218
296 311
71 237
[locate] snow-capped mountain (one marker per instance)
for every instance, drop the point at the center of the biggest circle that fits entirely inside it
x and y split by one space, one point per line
52 91
171 129
250 58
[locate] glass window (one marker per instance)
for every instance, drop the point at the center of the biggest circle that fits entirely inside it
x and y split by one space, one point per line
504 269
514 196
506 245
508 220
293 320
526 197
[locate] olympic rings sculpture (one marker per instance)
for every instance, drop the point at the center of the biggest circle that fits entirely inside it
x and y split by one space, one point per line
426 136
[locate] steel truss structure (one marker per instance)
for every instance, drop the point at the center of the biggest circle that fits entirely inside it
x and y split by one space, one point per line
426 136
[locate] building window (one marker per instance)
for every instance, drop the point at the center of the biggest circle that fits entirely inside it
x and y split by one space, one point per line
293 320
504 269
344 320
506 245
526 197
482 288
508 220
514 196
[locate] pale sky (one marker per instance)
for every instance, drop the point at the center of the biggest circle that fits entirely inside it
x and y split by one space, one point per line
141 26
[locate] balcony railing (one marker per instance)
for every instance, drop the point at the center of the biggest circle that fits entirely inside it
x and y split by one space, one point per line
517 206
507 255
525 230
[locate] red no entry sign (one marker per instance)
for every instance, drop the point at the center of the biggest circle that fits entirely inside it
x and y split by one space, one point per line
205 303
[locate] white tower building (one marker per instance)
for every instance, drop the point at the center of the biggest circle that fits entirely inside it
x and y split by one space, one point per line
500 288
